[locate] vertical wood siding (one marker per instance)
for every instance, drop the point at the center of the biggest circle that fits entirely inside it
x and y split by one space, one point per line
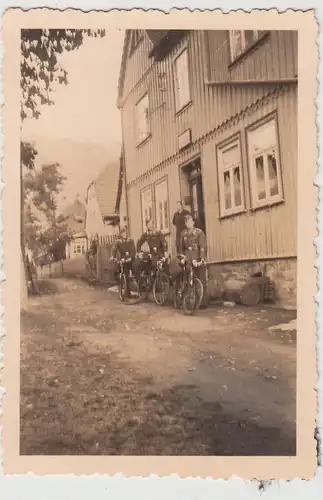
265 232
211 107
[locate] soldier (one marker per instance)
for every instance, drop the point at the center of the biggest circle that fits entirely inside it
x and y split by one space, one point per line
157 247
193 246
124 248
179 222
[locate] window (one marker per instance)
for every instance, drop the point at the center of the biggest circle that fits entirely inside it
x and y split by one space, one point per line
181 81
265 173
146 206
142 119
240 41
161 201
230 178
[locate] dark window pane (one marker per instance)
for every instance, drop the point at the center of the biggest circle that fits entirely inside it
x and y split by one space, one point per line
160 206
166 213
237 187
227 190
260 175
272 173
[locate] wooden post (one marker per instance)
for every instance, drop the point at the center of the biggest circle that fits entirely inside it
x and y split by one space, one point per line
23 284
98 261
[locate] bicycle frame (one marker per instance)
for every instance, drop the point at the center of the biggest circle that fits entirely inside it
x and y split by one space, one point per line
190 273
122 263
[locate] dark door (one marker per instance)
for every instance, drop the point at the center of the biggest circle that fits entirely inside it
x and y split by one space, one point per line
196 189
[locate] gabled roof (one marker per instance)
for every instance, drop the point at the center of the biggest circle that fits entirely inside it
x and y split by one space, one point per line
106 189
163 41
156 35
74 216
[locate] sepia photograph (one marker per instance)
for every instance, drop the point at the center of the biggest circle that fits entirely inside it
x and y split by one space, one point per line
159 241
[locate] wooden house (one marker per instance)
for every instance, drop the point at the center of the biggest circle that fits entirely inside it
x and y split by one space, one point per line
210 118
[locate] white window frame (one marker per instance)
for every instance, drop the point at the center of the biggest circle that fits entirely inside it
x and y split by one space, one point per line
263 151
181 102
233 52
161 196
142 135
235 209
147 205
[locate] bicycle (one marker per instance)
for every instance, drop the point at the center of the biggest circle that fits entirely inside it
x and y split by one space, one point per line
128 286
189 294
161 283
156 281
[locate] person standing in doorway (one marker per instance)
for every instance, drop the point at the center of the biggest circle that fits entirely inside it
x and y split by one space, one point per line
179 222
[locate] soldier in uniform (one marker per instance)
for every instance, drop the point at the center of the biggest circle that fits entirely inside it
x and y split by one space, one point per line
124 248
193 246
157 247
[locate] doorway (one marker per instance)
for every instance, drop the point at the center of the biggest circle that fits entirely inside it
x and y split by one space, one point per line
194 187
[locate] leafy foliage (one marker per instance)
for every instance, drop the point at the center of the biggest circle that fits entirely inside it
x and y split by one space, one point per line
28 154
40 69
44 227
40 64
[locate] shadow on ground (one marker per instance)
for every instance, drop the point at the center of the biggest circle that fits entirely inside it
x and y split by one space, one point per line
125 415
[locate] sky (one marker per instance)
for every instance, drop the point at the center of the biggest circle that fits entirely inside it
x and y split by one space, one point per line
82 131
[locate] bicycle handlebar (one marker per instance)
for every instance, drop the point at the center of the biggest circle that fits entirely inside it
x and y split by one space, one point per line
123 261
199 263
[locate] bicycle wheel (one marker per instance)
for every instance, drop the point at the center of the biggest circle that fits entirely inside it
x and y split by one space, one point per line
134 294
177 293
161 286
199 292
123 288
192 296
143 285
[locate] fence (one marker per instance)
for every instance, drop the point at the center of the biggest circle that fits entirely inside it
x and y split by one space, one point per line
102 271
104 267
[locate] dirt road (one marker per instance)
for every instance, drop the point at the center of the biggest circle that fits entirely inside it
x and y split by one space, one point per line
100 377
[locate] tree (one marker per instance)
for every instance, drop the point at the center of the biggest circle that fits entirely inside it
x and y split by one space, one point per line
44 227
40 68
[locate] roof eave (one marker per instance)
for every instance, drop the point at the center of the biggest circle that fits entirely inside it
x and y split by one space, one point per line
166 43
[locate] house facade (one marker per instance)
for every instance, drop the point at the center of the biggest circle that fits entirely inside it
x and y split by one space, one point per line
101 213
210 118
74 219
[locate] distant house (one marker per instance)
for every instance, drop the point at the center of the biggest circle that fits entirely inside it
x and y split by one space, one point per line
210 118
102 216
74 218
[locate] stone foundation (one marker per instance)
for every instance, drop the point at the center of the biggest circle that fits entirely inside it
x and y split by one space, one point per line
226 280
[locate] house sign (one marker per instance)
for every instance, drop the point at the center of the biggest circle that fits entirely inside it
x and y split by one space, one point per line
185 139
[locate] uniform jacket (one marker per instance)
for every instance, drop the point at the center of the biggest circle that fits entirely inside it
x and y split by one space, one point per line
193 243
122 246
155 239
